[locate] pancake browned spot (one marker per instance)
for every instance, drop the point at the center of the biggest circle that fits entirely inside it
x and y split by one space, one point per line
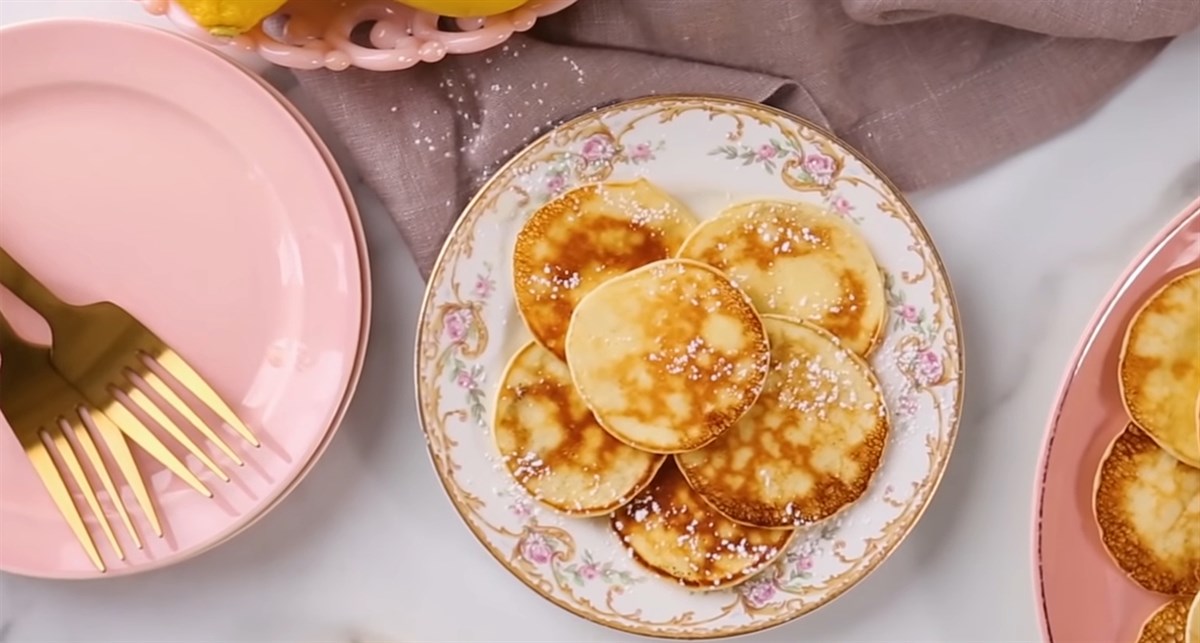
674 533
553 446
809 445
1147 505
585 237
1168 624
798 260
667 356
1160 367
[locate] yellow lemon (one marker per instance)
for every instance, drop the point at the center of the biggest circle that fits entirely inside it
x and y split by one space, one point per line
464 8
228 18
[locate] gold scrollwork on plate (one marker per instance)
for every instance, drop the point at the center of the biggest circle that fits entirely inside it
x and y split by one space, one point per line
461 315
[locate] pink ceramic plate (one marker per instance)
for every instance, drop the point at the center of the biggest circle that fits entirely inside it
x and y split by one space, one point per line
142 168
1083 595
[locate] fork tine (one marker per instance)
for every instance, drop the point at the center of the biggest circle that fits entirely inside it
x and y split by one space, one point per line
133 427
66 451
84 438
52 479
119 450
180 370
139 398
159 386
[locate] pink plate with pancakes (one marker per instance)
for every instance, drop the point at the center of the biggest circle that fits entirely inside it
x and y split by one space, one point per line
1082 594
210 211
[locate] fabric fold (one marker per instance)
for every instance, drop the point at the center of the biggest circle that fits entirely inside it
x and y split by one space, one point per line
427 142
928 90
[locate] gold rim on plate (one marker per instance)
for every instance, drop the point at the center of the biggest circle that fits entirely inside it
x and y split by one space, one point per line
938 451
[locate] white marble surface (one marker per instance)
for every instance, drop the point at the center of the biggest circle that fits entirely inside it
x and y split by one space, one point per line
369 548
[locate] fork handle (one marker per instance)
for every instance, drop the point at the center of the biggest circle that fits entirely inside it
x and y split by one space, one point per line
31 291
8 337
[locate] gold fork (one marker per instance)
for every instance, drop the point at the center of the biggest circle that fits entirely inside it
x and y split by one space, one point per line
42 407
102 350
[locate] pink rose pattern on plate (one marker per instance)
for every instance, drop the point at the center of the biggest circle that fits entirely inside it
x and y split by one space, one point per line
458 323
598 149
916 358
545 547
555 557
522 508
907 405
462 327
821 167
790 576
551 548
929 367
556 181
843 207
758 592
589 570
595 156
484 285
768 154
810 166
536 548
644 152
906 316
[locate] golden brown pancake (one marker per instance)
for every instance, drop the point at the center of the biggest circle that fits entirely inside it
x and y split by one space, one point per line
674 533
553 446
797 260
1160 367
1198 420
1193 621
667 356
585 237
1168 624
809 445
1147 505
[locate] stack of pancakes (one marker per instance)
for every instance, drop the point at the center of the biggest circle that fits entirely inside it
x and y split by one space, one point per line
1147 491
734 348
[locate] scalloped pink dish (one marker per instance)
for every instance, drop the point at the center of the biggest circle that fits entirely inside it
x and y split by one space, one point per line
210 211
1082 594
315 34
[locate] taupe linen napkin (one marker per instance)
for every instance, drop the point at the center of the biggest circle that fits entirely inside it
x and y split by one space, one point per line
930 90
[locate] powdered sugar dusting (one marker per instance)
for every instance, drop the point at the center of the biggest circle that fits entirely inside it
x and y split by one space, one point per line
553 282
920 400
640 214
530 466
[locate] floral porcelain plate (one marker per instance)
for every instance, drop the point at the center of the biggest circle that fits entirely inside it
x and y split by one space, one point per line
709 153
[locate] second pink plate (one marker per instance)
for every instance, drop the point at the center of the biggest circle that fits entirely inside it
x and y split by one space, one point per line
1082 594
145 169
